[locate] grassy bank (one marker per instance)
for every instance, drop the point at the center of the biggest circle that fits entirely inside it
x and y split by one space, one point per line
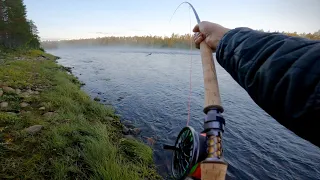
50 129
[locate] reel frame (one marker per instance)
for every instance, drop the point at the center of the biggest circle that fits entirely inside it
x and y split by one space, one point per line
190 148
193 155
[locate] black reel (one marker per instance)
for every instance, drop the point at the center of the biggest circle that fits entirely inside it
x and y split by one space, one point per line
189 149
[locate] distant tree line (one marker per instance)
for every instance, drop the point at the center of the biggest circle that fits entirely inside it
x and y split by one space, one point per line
313 36
174 41
16 31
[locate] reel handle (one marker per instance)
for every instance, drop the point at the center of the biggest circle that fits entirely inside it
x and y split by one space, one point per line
169 147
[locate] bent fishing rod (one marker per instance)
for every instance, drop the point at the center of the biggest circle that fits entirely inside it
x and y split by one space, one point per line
200 155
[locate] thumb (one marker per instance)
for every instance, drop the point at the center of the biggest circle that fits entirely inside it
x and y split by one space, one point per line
196 28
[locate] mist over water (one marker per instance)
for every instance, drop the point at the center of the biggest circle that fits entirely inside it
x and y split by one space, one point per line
152 92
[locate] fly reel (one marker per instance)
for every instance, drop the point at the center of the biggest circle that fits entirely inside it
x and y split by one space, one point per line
190 148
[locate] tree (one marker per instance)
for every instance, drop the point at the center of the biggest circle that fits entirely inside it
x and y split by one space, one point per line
3 22
34 41
15 30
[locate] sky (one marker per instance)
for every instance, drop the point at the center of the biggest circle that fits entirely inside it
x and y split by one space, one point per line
74 19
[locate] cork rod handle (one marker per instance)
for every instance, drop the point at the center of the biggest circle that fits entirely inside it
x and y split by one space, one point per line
211 88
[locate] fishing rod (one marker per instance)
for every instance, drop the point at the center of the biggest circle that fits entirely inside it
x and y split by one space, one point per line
200 155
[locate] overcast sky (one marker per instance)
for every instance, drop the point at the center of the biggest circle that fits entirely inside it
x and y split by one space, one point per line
71 19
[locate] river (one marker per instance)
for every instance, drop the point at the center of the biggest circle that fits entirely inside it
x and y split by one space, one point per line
152 92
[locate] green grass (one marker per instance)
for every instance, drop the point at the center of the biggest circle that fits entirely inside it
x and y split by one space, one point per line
80 141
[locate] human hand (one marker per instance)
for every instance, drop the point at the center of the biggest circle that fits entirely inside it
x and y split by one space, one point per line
210 32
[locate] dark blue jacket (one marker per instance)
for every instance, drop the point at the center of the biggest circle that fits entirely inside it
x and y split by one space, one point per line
280 73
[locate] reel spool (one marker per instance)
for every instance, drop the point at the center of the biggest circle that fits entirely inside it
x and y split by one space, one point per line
190 148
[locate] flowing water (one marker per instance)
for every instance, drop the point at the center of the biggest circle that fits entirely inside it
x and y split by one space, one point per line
152 92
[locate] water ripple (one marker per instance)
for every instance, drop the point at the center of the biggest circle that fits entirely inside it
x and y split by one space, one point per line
154 94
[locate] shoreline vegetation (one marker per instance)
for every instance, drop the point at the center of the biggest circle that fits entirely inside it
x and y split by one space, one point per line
174 41
50 129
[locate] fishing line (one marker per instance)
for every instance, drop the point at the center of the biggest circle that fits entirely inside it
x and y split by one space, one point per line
190 79
191 41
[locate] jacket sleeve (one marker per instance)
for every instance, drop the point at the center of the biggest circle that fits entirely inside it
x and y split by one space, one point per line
280 73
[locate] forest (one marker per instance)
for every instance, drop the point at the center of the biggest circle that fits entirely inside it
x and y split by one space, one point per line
16 31
174 41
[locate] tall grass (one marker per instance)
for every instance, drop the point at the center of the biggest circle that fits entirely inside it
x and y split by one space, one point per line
80 140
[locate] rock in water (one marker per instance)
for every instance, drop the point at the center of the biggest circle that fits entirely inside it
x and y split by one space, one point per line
125 130
68 69
151 141
34 129
1 92
4 104
135 131
128 124
129 137
24 104
120 98
96 99
8 90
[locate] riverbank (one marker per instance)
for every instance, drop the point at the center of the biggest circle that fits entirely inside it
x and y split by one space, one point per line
50 129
